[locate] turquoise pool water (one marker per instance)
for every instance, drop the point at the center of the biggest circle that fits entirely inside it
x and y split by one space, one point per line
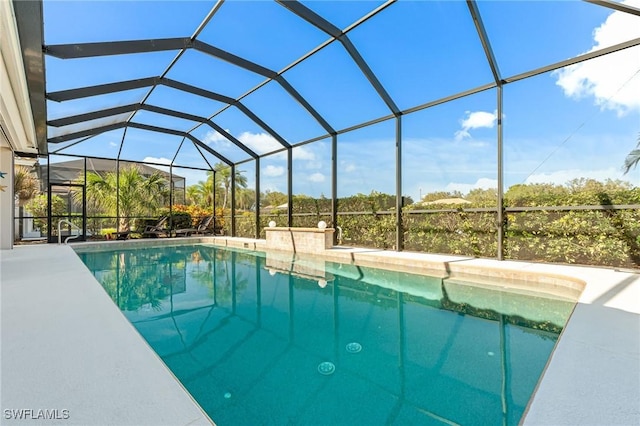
267 339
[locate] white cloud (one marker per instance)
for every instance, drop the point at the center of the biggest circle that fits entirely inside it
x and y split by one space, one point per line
316 177
561 177
191 176
314 165
602 78
475 120
259 142
214 137
273 170
303 153
348 167
158 160
482 183
113 144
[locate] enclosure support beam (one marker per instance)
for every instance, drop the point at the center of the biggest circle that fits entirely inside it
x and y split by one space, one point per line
171 197
86 50
233 201
493 64
83 92
575 60
90 50
289 186
103 129
334 185
66 121
257 198
501 219
327 27
84 200
213 202
617 6
399 198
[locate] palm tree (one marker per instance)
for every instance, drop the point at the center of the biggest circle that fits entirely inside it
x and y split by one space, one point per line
223 177
633 158
139 195
25 185
201 193
246 198
193 194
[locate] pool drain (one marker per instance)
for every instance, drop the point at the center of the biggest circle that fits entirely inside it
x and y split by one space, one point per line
353 347
326 368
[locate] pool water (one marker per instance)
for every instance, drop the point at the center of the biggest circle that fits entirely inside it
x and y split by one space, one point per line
270 339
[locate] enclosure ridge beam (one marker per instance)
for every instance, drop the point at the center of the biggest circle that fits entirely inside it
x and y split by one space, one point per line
115 87
228 100
75 119
231 138
232 59
65 121
449 98
180 133
322 24
158 129
302 101
102 129
71 144
484 39
109 48
369 74
574 60
101 89
265 72
199 119
173 113
201 154
66 95
617 6
311 17
86 50
262 124
204 146
196 90
203 24
88 132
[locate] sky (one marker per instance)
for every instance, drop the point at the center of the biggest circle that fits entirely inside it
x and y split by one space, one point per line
577 121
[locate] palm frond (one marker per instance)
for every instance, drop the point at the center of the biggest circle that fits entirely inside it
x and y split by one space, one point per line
632 158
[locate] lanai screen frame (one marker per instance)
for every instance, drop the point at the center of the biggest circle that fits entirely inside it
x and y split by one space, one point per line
30 24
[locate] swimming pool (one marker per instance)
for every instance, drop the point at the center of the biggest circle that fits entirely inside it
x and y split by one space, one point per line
265 338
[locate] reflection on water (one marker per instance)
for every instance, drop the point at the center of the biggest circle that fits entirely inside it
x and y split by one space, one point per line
260 339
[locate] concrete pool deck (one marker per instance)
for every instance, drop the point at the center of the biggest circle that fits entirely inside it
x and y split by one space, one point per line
66 348
51 358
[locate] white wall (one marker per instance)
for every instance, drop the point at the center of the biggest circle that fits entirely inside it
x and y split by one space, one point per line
17 131
6 198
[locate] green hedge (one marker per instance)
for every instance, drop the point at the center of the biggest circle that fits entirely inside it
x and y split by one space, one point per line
597 236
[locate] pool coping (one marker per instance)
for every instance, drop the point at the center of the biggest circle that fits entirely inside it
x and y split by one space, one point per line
592 377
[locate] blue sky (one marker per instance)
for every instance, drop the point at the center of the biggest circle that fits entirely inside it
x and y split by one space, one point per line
579 121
